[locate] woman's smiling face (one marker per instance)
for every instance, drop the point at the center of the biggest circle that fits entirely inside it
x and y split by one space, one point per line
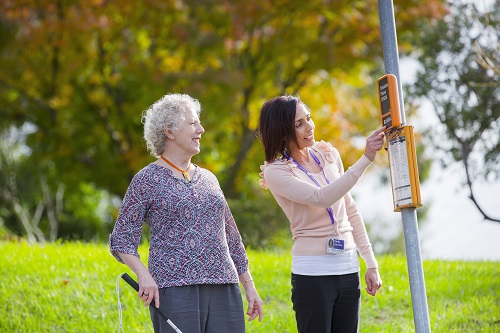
304 127
189 134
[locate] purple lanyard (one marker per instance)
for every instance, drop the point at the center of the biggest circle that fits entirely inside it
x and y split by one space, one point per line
329 209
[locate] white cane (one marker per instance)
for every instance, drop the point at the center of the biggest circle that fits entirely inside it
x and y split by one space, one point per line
134 285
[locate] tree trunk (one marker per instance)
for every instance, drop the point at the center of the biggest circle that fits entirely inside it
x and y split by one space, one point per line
247 140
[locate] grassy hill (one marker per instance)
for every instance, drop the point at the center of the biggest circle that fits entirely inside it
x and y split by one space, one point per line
71 287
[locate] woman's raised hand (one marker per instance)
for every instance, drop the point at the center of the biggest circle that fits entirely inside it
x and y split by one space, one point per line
374 143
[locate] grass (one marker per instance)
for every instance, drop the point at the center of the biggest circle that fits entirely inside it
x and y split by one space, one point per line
71 287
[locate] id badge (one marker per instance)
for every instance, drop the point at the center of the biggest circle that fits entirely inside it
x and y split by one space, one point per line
335 246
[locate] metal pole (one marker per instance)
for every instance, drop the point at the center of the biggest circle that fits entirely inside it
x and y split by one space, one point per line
390 47
408 215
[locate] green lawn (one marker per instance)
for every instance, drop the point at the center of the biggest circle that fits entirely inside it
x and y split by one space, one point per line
71 287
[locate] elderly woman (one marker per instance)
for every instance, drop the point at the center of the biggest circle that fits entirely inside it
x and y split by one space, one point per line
308 181
196 255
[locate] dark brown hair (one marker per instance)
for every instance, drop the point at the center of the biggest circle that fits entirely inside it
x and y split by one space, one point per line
276 125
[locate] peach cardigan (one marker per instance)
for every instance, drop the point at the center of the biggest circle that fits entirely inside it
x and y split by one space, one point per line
304 203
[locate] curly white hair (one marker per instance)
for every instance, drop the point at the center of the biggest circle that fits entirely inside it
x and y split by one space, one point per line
166 113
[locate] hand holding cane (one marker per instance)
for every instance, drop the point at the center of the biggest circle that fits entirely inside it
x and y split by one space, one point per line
134 285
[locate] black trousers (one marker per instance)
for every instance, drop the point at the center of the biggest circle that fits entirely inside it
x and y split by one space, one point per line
326 304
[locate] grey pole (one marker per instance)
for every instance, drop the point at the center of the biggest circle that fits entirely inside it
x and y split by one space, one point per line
408 215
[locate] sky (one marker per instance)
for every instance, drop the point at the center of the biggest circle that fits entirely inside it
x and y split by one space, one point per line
454 229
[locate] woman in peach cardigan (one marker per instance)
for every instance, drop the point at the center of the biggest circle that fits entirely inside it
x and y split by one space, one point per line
308 181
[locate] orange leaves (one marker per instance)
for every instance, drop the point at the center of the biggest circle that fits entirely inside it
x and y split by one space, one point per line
97 64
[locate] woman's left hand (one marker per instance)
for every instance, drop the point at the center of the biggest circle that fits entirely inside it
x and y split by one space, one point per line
254 302
373 281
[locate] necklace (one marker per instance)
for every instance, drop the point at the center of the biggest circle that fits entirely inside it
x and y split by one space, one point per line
185 174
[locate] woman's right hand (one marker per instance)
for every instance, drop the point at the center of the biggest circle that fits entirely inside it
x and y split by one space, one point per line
374 143
148 290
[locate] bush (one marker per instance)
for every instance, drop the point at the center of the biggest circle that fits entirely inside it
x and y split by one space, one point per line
261 222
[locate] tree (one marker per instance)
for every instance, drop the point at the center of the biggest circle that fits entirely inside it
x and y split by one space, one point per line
81 72
456 76
14 179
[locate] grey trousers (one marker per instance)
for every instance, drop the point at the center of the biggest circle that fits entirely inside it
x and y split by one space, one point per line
216 308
